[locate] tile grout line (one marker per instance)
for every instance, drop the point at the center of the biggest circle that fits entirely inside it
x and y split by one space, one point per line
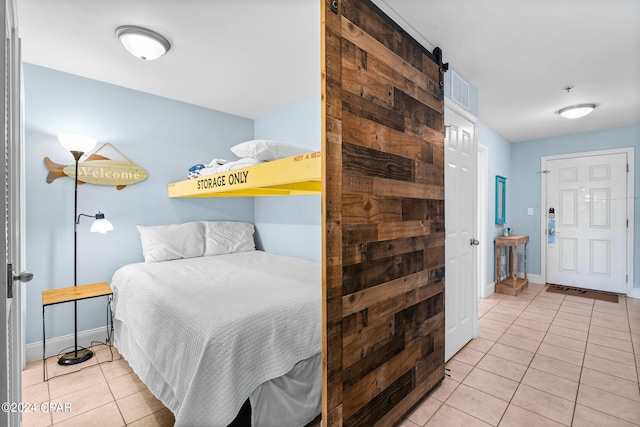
116 400
575 403
527 366
97 365
635 358
534 354
562 303
584 356
113 395
49 400
633 346
104 379
473 367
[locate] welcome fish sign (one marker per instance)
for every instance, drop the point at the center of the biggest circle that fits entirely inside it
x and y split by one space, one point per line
98 169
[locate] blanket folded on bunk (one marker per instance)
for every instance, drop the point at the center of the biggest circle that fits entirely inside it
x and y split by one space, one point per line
217 327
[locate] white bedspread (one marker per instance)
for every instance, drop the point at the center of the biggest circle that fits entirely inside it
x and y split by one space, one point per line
217 327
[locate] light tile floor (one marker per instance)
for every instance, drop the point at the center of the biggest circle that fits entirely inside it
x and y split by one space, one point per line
543 359
100 394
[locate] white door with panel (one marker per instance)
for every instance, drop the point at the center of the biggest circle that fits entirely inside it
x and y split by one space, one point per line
459 194
588 248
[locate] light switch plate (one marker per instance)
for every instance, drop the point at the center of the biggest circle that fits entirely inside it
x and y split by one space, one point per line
530 211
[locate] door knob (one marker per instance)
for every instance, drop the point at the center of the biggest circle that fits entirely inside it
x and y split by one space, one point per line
474 242
24 277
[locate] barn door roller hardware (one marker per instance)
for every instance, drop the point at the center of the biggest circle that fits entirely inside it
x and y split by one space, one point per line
444 67
334 6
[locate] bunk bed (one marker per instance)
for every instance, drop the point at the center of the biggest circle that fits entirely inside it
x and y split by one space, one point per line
290 176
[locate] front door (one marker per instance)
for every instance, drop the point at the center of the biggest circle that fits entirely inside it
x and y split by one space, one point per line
459 196
10 338
588 247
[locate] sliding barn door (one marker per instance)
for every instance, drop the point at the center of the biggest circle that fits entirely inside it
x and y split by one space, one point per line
383 218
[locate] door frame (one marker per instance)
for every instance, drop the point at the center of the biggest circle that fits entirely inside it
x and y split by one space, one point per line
482 177
629 151
11 361
452 106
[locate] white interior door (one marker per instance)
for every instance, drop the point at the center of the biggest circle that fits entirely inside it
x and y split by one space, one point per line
460 243
589 197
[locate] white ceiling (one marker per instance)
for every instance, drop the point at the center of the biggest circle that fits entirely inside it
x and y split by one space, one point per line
244 57
521 54
252 57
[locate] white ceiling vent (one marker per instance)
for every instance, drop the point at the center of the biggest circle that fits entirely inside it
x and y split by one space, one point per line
459 90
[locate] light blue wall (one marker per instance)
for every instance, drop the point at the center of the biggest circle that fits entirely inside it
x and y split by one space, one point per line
291 225
499 153
163 136
525 185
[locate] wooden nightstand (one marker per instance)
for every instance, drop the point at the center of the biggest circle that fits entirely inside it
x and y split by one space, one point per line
70 294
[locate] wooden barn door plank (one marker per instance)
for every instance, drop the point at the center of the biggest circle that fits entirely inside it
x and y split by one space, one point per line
383 218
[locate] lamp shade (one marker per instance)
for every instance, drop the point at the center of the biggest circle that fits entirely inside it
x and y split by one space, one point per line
79 143
142 43
576 111
101 225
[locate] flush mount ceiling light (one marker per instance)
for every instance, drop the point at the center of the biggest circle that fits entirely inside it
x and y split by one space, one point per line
142 43
576 111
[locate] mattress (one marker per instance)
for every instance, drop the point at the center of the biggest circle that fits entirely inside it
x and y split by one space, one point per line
209 332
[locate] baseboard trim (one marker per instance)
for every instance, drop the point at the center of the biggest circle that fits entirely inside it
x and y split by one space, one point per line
536 279
489 289
33 351
634 293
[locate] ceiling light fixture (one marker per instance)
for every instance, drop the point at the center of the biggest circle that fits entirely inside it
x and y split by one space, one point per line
576 111
142 43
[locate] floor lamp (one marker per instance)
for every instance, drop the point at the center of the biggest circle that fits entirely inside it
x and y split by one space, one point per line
78 145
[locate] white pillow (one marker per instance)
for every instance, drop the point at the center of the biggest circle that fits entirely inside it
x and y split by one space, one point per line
167 242
262 149
225 237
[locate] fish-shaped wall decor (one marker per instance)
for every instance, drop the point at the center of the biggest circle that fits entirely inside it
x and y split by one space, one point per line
98 169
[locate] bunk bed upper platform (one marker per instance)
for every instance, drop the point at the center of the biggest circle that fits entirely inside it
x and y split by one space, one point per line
291 176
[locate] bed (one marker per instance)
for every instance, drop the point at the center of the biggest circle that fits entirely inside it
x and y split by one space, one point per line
207 333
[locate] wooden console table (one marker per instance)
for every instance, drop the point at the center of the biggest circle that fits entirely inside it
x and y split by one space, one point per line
512 284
